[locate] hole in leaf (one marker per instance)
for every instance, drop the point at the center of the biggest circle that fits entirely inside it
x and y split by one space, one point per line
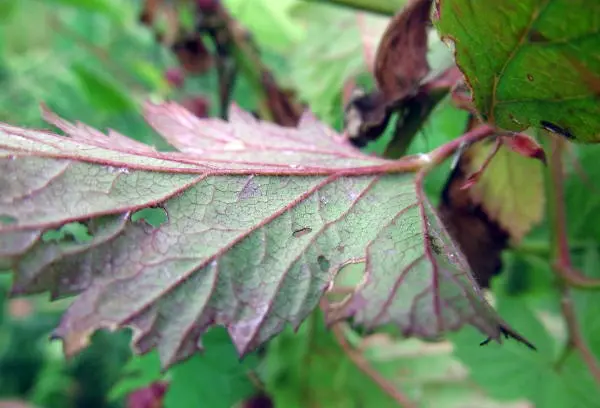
7 219
154 217
323 263
73 231
301 232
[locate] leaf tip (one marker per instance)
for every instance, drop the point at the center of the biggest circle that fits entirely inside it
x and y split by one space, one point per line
508 334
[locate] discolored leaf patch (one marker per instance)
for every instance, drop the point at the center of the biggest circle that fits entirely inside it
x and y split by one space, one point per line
257 221
529 63
510 189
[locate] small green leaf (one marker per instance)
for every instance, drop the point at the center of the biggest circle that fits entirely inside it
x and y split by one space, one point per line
530 61
215 378
502 371
102 93
139 372
309 368
73 230
510 189
108 7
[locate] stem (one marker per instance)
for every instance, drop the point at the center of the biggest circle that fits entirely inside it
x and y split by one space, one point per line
384 7
568 275
575 340
438 155
363 364
556 210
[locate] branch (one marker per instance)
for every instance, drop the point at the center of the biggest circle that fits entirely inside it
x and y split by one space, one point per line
384 7
363 365
275 104
556 211
440 154
575 340
562 259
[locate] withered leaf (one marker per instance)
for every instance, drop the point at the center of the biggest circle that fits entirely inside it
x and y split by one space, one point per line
401 60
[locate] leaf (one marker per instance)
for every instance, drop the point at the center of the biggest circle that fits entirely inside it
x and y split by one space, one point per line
530 62
107 7
215 378
510 189
320 66
401 61
102 93
480 239
139 372
268 21
312 360
587 302
503 372
236 196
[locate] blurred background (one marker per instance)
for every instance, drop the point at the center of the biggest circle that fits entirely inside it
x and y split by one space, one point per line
97 61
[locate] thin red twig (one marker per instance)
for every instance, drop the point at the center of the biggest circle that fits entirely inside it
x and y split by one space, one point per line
562 261
363 364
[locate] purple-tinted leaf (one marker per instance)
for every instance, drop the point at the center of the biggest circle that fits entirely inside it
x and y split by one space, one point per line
259 219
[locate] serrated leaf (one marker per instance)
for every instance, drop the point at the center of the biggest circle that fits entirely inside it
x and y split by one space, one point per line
215 378
510 189
139 372
230 254
503 372
530 61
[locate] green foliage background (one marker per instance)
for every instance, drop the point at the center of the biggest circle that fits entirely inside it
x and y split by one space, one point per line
91 60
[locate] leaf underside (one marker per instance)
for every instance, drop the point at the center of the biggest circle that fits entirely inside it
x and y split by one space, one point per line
259 220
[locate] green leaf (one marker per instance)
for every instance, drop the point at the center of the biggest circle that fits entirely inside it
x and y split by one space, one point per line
582 192
74 230
529 61
503 371
587 302
268 21
101 92
139 372
309 368
108 7
236 195
320 66
215 378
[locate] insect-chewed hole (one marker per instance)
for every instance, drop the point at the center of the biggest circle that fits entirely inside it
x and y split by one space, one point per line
71 232
324 263
154 216
7 219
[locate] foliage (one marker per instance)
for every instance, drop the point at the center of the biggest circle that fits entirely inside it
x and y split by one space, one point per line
265 263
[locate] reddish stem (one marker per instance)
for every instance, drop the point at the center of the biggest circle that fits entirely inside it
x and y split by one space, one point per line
562 261
363 364
562 256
